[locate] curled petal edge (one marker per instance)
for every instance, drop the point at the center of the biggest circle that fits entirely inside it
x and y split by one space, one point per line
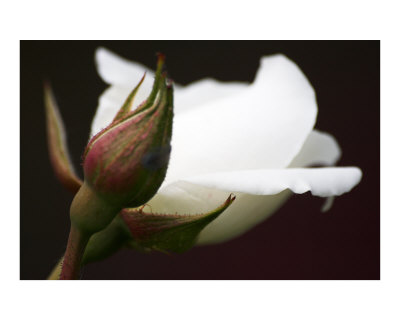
322 182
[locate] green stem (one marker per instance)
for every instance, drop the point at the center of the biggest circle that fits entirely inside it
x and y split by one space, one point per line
71 266
101 245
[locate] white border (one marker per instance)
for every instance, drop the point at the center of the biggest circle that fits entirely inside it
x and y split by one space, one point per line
199 299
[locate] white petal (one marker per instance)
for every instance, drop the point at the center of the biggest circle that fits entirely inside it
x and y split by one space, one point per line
116 70
204 91
323 182
281 100
320 148
263 126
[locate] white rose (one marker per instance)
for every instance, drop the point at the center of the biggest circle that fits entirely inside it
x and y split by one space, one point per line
254 140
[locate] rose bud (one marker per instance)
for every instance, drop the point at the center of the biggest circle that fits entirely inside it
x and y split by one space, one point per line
125 163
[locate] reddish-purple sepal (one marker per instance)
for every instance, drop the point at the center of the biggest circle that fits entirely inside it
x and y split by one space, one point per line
168 232
56 139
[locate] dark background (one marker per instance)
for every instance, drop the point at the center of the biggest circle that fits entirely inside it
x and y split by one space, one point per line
298 242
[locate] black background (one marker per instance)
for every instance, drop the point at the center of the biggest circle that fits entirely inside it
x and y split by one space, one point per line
298 242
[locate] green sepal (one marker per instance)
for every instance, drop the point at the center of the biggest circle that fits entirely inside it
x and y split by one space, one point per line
168 232
126 107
